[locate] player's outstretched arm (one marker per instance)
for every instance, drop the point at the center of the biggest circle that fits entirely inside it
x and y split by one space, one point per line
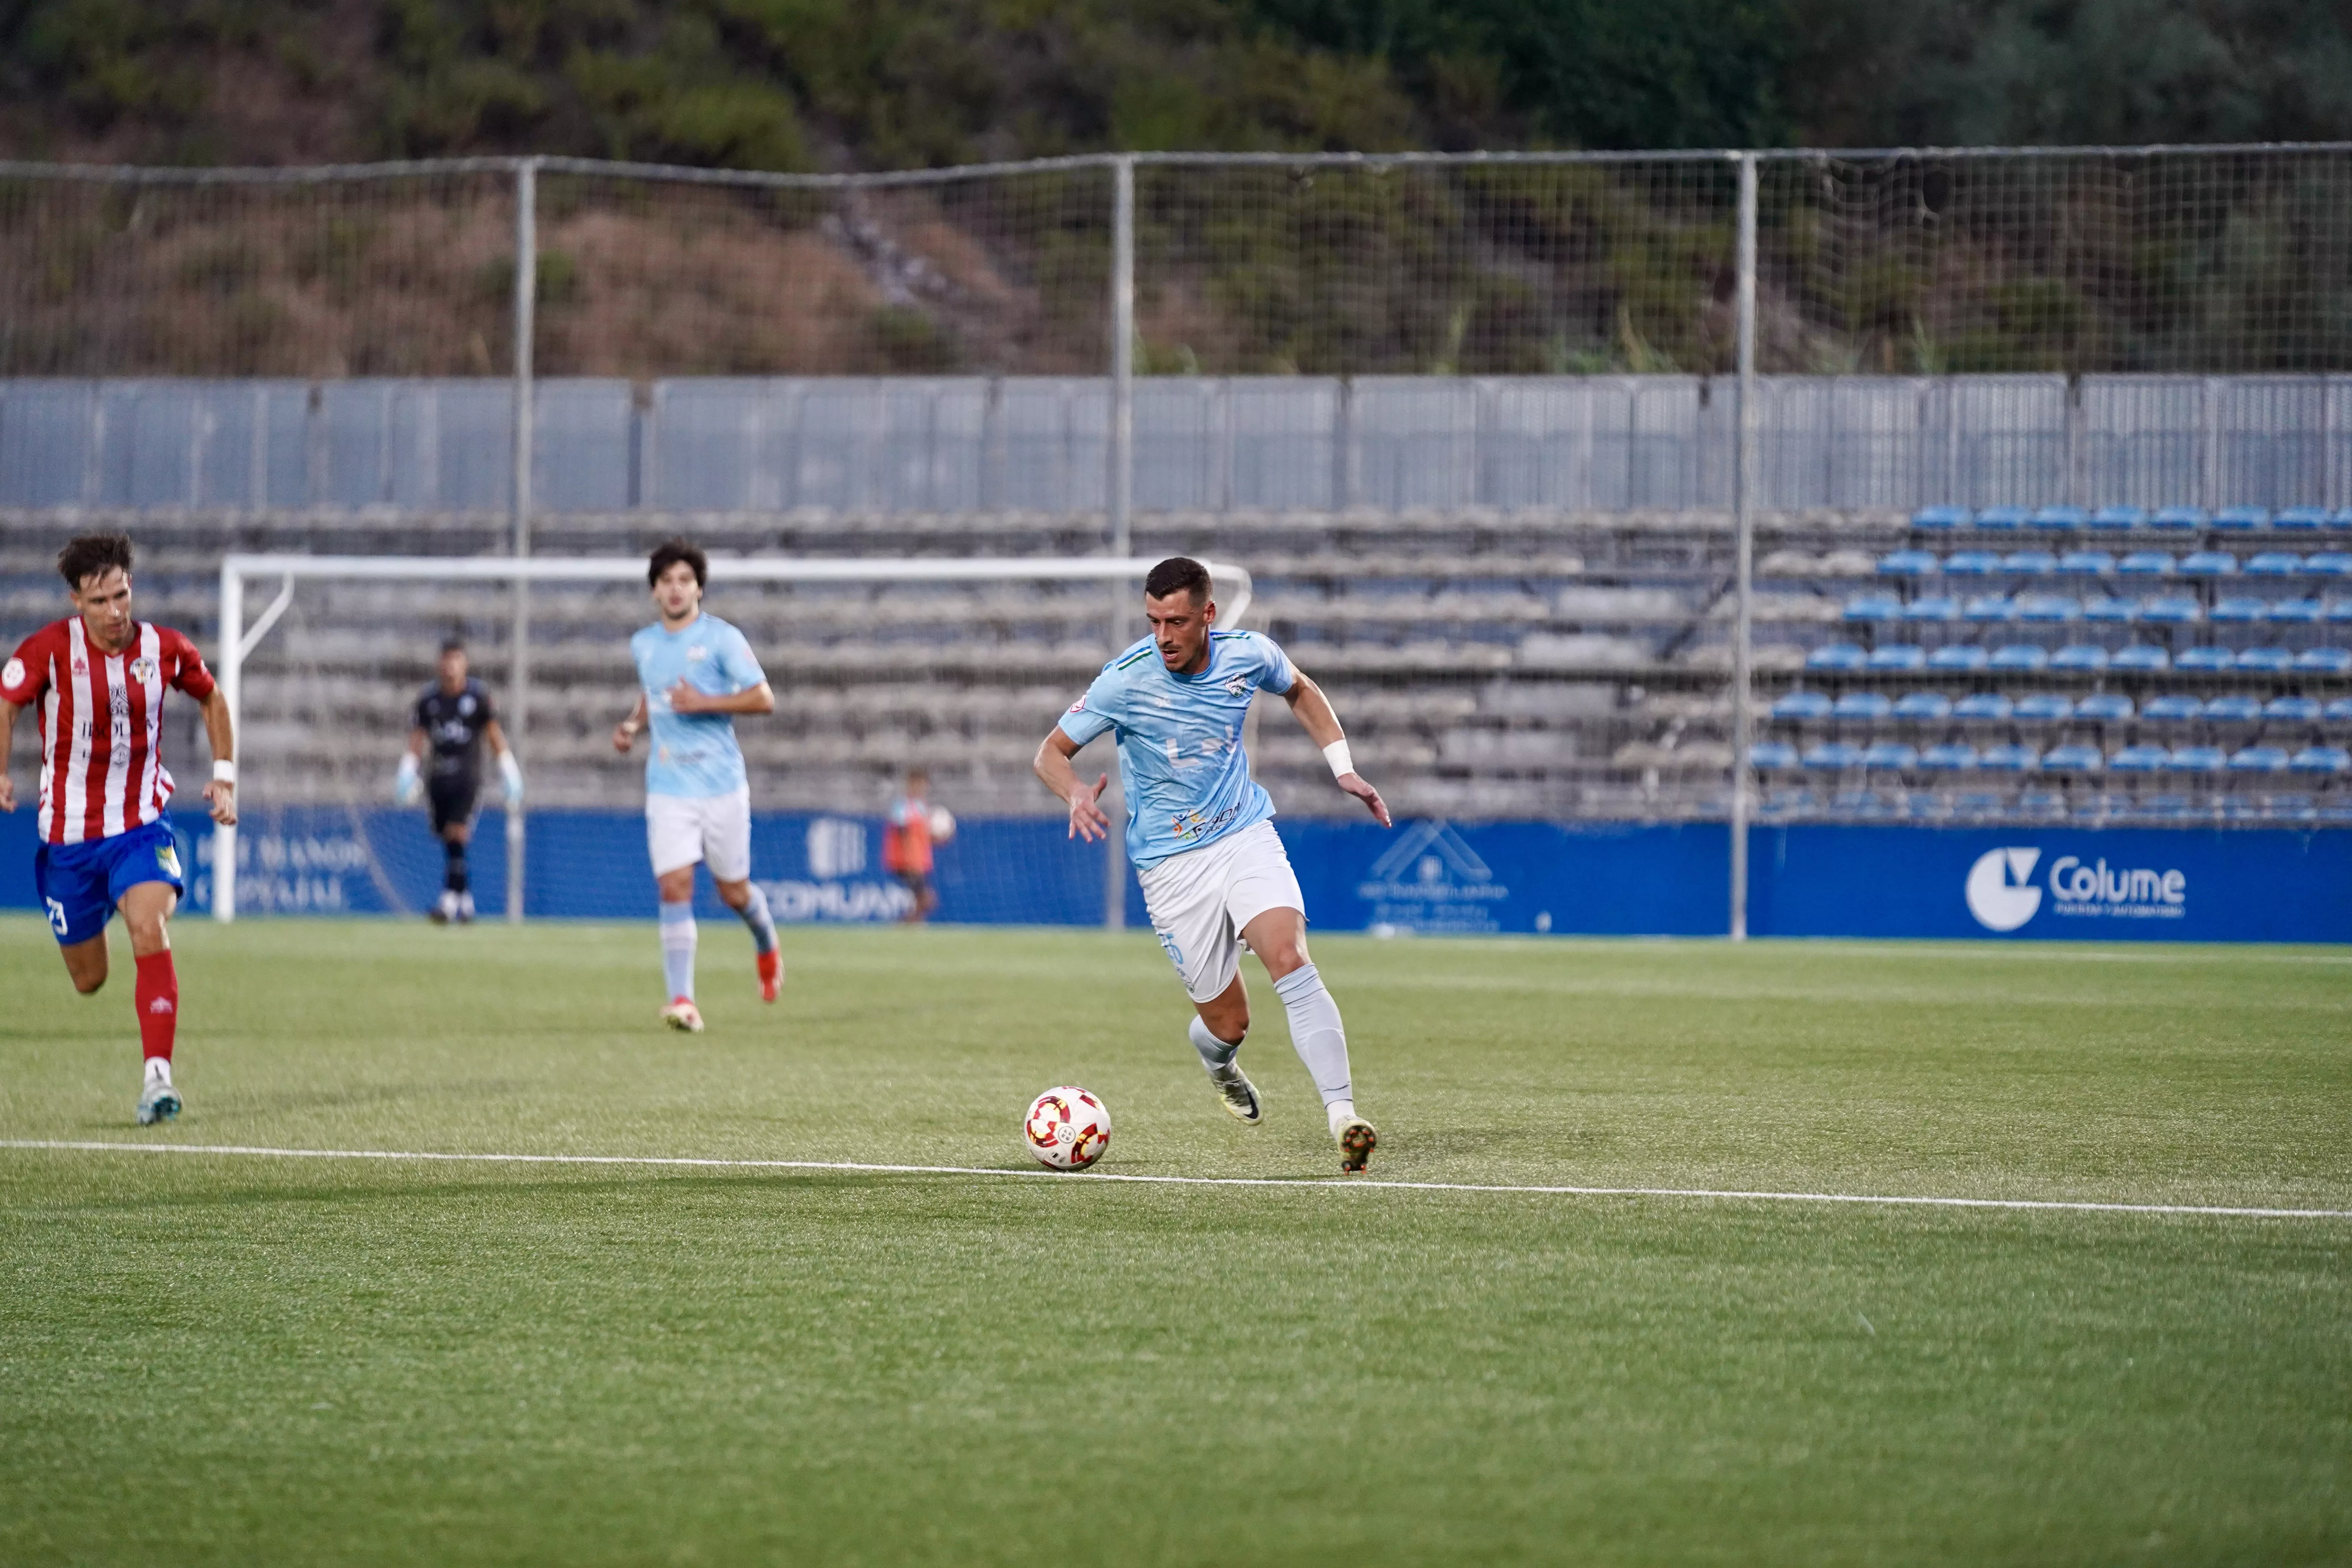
8 711
624 733
1322 726
220 790
1088 822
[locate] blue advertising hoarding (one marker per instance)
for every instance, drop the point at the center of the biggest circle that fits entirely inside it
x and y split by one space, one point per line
1426 877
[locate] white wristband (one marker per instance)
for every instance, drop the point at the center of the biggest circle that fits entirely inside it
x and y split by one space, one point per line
223 771
1336 753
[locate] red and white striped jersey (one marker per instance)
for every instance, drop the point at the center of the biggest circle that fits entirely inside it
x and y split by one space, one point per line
101 723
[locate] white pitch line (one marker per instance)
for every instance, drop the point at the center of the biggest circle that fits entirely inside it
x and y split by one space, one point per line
695 1162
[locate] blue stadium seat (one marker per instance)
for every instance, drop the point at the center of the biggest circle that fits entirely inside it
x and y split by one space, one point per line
2109 611
1832 756
2177 518
1931 608
2338 710
2148 564
2196 759
2293 710
2337 612
1864 705
2321 760
1772 756
2005 517
2328 564
2085 563
1843 658
2120 517
2240 610
2045 708
2172 610
2103 708
2028 563
2267 661
2022 657
1989 608
2172 708
1971 564
1909 563
2243 518
1898 657
2234 709
1950 757
1940 516
2318 661
2294 613
2080 658
2206 659
2061 519
1873 607
2260 760
2141 658
2009 758
2048 609
1892 756
1984 705
2209 563
2140 758
2073 758
2300 519
1924 705
1963 658
2274 563
1799 706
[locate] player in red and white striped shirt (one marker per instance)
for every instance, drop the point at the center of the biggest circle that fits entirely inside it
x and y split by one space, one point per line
106 842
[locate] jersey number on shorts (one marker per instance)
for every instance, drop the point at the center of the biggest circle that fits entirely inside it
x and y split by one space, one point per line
57 916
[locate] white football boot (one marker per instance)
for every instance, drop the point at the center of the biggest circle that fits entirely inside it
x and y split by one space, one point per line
464 909
1236 1094
443 910
683 1016
158 1102
1354 1135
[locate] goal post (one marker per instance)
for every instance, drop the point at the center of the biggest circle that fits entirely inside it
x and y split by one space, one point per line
281 577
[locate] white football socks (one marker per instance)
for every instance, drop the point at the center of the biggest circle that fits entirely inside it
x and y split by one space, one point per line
677 939
1316 1033
159 1071
1341 1112
1216 1054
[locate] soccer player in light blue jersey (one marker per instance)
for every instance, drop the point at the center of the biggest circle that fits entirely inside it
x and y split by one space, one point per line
695 674
1199 830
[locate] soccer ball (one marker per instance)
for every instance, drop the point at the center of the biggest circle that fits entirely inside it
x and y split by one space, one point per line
941 823
1066 1128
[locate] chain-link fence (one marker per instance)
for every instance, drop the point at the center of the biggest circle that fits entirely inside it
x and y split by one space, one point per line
1483 426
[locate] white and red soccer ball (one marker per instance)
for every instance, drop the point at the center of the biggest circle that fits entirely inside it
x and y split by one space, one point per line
1066 1128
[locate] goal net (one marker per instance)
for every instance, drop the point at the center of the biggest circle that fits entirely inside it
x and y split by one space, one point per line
954 667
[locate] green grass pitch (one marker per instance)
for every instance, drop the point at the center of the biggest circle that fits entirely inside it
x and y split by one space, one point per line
234 1360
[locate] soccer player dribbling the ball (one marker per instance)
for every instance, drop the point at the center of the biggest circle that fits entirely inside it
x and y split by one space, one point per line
1200 834
695 673
105 838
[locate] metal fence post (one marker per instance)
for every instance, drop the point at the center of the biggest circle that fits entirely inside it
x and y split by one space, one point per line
1743 511
1122 484
526 295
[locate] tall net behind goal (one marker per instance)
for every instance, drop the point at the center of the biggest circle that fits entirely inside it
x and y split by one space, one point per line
956 667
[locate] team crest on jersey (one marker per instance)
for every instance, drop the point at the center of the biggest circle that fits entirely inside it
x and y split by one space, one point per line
1237 685
143 670
82 666
695 654
168 857
13 673
466 706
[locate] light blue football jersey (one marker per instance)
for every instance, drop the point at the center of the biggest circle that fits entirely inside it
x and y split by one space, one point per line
693 754
1180 741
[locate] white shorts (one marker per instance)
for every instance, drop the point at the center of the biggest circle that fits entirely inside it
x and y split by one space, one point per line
1201 900
681 829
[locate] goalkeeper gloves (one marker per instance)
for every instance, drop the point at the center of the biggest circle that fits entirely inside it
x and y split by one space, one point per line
405 786
511 770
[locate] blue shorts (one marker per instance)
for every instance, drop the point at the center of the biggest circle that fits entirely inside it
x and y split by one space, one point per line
79 884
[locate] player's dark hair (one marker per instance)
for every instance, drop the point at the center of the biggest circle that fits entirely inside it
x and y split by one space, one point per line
1177 574
453 643
93 555
669 553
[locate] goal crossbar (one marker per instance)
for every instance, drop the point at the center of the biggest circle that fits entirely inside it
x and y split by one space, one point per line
237 640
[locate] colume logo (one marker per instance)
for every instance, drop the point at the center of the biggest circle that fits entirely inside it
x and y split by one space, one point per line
2002 894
